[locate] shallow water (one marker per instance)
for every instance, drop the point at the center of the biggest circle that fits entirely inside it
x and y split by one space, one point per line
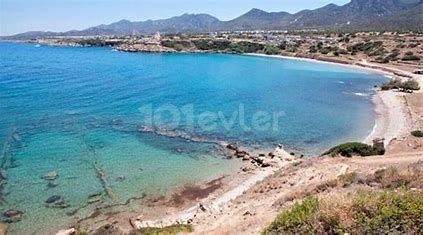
77 111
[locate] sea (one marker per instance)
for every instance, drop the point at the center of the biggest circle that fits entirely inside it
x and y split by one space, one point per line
97 127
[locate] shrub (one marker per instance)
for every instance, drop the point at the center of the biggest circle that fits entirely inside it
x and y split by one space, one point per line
347 179
354 149
297 220
271 50
173 229
245 47
388 212
418 134
409 56
410 84
391 178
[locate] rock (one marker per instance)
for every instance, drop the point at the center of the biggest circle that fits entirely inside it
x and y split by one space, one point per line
12 213
265 164
202 208
240 154
98 194
245 169
232 147
250 213
3 228
61 204
95 199
66 231
13 216
262 155
120 178
53 199
51 185
246 158
292 154
51 176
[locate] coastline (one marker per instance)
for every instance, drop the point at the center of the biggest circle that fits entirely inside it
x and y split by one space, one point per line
390 107
392 122
391 114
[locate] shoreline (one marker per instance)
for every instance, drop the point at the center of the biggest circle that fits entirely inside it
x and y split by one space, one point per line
391 115
388 108
391 122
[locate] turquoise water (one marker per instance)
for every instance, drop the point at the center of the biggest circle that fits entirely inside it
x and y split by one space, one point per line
78 111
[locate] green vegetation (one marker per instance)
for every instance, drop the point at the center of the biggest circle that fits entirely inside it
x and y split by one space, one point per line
410 84
409 56
245 47
297 220
365 213
417 133
393 56
355 149
391 178
177 45
370 48
174 229
234 47
271 50
213 45
96 42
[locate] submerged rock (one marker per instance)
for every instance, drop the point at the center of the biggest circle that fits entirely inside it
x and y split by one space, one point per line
51 176
53 199
52 185
120 178
62 204
13 216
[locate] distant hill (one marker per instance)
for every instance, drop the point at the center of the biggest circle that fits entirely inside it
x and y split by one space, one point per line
363 15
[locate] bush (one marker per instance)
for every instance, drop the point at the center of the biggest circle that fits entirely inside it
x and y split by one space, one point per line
418 134
354 149
410 58
271 50
388 212
245 47
174 229
410 84
297 220
177 45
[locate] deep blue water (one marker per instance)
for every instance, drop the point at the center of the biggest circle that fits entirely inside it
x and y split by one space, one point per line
75 110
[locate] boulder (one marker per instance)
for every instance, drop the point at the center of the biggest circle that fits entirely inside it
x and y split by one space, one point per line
240 154
232 147
66 232
51 176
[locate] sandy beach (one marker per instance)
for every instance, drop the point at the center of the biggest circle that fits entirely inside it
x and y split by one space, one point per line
248 200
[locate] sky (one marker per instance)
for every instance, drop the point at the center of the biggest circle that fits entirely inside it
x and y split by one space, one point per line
17 16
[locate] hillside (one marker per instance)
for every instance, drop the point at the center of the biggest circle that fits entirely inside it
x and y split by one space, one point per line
358 15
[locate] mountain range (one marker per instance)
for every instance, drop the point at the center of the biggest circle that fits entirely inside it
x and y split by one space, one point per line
362 15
